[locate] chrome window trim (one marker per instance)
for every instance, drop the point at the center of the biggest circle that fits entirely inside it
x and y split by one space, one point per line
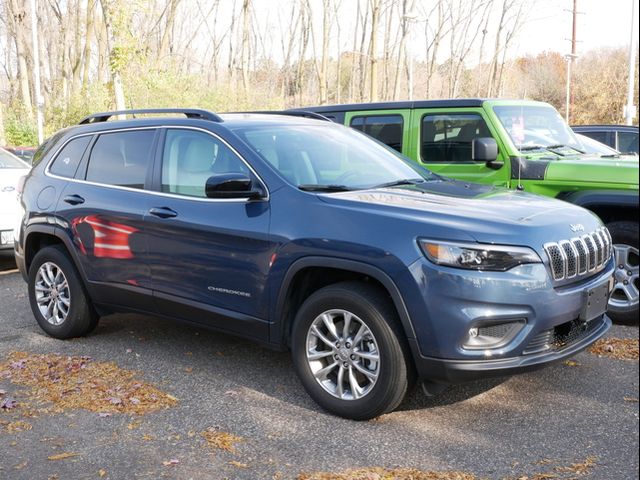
48 173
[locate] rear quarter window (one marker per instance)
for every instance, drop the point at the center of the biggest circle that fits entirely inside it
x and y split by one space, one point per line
67 161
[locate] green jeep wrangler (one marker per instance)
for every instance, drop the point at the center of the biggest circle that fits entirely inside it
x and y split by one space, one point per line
517 144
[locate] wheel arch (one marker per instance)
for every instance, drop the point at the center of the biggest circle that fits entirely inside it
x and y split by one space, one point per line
40 236
609 205
293 290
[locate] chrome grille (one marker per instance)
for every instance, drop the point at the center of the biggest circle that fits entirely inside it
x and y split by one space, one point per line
578 256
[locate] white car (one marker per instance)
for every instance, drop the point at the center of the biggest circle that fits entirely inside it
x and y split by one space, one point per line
11 170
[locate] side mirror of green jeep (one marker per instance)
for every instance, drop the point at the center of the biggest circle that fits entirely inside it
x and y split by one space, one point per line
485 149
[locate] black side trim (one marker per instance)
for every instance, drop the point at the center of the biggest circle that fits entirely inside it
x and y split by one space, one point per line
277 333
525 169
212 317
589 198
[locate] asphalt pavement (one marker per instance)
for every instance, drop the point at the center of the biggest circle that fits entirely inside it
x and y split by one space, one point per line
550 421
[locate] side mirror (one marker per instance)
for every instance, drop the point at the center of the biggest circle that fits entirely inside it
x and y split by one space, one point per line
231 185
484 149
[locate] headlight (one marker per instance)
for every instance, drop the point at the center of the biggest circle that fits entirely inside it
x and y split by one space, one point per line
477 256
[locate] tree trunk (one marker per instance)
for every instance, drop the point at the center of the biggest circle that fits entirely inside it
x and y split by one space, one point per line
19 14
246 6
373 50
168 30
113 48
88 40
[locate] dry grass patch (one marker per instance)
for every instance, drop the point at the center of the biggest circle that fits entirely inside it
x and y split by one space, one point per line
618 348
71 382
219 440
377 473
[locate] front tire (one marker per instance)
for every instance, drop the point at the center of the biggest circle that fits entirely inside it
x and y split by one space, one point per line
349 353
623 305
57 297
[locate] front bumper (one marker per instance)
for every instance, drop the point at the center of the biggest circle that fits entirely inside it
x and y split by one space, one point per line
458 371
452 302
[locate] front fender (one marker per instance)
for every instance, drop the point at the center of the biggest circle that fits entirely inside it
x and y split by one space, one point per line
277 329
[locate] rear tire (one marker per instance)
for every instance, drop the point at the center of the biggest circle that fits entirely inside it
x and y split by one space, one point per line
623 305
57 297
354 327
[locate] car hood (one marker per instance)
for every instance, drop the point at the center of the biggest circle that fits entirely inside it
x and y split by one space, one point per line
621 170
465 211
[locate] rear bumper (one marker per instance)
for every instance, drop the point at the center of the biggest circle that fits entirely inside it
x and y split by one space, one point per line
457 371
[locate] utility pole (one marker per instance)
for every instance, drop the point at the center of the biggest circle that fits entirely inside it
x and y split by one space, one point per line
630 108
36 72
570 59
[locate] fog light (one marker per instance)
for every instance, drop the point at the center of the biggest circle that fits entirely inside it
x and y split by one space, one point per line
493 335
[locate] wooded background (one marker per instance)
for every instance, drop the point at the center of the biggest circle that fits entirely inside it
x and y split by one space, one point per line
230 55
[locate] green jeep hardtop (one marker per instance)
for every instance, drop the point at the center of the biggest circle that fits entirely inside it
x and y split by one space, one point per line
536 151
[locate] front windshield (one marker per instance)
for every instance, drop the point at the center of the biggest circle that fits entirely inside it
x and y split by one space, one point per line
7 160
330 156
536 126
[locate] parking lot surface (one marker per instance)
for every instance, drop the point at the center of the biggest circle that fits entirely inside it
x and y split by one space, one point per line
576 419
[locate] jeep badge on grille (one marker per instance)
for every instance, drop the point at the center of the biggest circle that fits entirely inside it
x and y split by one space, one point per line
576 227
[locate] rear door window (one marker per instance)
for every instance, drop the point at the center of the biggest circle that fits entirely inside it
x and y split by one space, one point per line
384 128
67 161
121 158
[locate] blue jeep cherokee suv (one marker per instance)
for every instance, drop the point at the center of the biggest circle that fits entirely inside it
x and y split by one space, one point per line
303 234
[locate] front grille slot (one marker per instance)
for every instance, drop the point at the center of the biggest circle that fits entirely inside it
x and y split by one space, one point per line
581 248
579 256
561 336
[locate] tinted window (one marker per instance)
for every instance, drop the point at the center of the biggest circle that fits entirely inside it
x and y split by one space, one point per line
67 161
627 142
384 128
602 137
447 138
121 158
191 157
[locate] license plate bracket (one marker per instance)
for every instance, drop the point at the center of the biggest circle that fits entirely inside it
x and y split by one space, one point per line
597 299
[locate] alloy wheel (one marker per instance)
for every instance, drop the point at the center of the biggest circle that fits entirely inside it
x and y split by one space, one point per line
52 293
343 354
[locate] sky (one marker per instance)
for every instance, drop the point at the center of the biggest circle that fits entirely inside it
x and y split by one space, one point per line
602 23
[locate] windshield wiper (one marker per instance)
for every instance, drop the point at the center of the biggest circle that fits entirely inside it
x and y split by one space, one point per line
526 148
398 183
560 145
312 187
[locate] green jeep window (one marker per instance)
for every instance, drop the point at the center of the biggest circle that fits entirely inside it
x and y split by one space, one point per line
448 137
384 128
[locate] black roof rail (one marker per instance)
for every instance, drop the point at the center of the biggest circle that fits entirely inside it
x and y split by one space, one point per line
292 113
188 112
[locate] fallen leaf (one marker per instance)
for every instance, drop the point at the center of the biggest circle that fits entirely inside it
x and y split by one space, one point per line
18 426
102 472
188 369
217 439
571 363
62 456
238 464
8 403
169 463
617 348
631 399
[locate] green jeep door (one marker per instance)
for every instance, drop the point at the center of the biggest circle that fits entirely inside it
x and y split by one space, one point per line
441 140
